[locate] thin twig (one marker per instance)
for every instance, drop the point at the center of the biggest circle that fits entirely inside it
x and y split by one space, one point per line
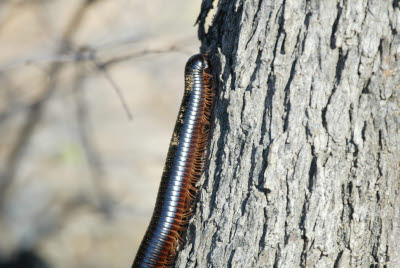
137 54
115 86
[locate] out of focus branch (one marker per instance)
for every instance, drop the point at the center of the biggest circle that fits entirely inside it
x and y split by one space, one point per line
96 167
66 53
92 55
35 110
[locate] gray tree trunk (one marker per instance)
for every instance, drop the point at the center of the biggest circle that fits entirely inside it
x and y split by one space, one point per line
304 161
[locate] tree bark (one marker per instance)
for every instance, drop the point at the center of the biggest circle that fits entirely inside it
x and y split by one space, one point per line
304 162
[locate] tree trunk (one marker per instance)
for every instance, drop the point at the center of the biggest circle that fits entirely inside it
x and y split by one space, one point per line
304 162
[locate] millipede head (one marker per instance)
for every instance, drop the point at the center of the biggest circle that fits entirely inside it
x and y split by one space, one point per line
197 62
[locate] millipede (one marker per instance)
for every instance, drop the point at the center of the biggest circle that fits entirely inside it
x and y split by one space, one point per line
182 170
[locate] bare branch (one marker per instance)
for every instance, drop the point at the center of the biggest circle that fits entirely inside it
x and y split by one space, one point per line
117 89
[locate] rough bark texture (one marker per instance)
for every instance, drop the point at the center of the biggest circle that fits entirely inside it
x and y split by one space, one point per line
305 156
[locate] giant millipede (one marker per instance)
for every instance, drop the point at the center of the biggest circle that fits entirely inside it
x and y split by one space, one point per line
182 170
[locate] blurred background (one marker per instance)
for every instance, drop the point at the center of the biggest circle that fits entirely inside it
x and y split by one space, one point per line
89 94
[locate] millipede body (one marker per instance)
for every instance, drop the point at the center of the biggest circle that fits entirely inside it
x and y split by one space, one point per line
182 170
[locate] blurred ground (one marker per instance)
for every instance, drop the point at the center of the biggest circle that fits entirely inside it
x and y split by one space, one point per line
78 179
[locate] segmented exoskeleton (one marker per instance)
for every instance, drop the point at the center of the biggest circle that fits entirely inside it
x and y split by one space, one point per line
182 170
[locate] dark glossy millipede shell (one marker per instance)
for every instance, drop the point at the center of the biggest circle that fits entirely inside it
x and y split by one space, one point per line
182 169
